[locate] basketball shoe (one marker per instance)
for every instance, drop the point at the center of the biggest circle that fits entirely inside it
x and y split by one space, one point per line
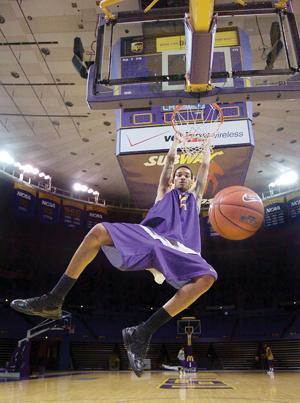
46 306
137 344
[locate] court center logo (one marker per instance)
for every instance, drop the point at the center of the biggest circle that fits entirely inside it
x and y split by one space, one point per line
194 383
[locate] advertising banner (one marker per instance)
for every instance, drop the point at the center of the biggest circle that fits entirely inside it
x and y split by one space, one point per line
142 171
206 225
159 138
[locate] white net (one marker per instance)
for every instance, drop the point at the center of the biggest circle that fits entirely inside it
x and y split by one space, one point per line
196 126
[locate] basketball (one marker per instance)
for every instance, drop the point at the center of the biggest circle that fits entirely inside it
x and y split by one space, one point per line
236 212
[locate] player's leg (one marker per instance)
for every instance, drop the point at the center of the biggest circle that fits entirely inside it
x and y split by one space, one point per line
270 366
50 305
137 338
88 249
189 293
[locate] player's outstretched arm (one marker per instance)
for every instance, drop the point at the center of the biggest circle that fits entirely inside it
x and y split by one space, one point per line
201 177
165 181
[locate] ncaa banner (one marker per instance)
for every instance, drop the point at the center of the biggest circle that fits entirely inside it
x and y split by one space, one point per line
24 200
48 208
206 225
275 213
94 215
293 205
73 214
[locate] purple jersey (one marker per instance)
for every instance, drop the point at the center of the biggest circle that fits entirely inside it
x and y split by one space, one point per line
168 240
176 217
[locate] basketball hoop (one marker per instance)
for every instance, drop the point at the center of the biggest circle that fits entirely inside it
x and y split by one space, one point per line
196 126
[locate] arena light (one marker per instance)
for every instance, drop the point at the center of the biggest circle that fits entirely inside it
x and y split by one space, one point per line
288 178
27 168
77 59
77 187
26 172
6 158
96 195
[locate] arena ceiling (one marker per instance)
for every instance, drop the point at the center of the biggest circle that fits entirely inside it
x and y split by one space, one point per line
44 118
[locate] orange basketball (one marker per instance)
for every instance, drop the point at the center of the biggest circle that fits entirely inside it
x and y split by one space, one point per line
236 212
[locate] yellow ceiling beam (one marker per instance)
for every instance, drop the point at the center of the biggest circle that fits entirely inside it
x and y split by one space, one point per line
281 4
104 4
152 4
201 13
241 2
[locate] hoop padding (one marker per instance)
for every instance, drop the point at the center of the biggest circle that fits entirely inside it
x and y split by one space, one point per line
196 126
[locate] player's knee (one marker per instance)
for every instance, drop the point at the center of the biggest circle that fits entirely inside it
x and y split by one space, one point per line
204 282
98 234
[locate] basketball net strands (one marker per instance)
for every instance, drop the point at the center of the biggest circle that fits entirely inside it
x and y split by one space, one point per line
196 126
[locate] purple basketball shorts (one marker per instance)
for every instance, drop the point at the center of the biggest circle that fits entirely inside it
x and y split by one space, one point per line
137 247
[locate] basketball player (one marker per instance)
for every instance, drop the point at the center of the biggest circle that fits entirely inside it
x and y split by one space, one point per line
269 359
167 241
181 357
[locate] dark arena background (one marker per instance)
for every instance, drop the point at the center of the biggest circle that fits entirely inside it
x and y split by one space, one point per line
255 301
50 62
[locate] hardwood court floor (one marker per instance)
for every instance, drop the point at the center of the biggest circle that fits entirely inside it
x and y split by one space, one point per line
158 387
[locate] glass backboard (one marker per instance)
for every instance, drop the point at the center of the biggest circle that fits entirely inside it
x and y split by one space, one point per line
256 53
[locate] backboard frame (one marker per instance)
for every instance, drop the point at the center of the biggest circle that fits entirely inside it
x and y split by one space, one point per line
100 83
186 323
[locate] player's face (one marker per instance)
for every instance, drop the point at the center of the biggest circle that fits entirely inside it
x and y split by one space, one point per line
183 179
